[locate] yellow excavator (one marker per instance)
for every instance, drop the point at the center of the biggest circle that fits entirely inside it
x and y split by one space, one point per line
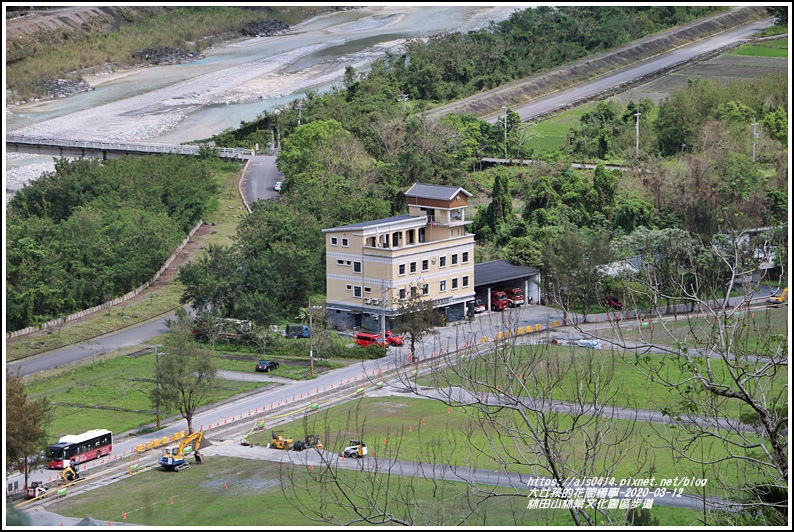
280 442
69 473
173 457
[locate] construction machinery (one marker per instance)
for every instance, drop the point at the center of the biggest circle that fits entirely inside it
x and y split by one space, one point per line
777 300
173 457
310 441
356 449
69 473
280 442
36 489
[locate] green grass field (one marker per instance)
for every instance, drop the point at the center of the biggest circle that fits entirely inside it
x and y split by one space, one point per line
775 48
428 431
238 492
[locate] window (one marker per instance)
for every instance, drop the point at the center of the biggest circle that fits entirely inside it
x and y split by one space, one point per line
411 236
334 241
425 289
413 267
454 259
442 261
465 281
422 235
401 269
395 240
367 289
356 291
344 242
357 267
455 283
350 287
465 257
425 265
340 262
442 286
413 291
402 293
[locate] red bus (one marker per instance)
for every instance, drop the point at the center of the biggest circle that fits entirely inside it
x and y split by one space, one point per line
76 449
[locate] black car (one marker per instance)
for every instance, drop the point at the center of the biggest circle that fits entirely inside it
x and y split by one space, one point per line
266 365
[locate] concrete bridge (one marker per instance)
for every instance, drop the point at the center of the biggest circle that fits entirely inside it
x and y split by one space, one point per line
109 150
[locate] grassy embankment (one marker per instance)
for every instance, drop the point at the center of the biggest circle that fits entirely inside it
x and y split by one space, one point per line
775 48
196 29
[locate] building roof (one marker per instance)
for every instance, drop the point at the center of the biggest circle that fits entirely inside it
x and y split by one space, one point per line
498 271
371 223
436 192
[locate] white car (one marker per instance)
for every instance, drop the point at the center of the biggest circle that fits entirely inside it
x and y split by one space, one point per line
278 186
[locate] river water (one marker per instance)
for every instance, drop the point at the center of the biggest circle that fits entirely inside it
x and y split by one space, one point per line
233 83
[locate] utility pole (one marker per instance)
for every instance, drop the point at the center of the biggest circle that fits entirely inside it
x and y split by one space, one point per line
404 98
505 108
382 312
300 108
311 337
755 136
637 114
157 378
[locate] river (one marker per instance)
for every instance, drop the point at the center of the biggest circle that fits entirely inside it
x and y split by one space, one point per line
234 82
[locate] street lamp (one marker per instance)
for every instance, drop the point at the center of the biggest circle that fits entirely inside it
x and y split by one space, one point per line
755 136
505 108
404 99
300 108
637 114
157 379
311 334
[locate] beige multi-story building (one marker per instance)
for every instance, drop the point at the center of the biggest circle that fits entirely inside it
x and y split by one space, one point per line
371 266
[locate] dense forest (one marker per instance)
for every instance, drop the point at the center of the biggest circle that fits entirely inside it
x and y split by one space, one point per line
91 231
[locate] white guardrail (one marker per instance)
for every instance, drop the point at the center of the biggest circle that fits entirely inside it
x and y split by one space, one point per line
128 146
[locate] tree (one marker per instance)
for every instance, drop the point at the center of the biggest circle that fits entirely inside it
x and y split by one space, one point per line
500 210
27 424
417 316
725 368
212 283
185 373
572 267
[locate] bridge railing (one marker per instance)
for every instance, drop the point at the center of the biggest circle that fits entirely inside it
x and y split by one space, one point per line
139 147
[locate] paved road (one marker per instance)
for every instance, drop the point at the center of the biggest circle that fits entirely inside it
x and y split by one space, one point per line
519 482
582 92
260 177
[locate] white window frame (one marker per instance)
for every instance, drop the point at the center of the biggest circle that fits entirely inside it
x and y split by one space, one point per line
334 241
345 242
357 289
442 285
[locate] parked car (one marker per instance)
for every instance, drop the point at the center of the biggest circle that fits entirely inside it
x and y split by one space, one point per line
394 339
613 302
479 306
278 186
266 365
366 339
